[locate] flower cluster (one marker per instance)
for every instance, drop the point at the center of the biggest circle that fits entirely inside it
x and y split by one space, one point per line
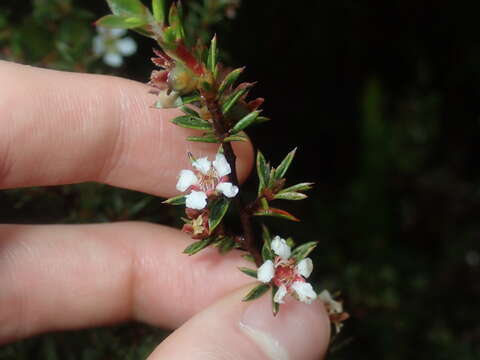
112 46
334 309
206 180
287 274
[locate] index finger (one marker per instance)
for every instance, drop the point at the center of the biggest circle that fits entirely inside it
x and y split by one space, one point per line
60 128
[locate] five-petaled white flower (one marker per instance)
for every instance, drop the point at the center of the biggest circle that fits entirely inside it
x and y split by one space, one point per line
112 46
287 274
207 178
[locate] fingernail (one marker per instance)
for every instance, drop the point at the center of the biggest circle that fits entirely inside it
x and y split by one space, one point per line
299 331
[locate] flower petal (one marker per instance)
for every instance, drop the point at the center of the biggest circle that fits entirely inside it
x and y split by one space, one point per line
227 189
126 46
98 45
333 306
304 291
113 59
281 248
116 33
305 267
196 200
221 165
187 178
266 271
280 294
203 165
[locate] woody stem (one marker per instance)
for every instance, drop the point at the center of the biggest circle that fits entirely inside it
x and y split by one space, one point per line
245 215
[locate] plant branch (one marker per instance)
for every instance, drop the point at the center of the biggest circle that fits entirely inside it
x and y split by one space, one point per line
245 215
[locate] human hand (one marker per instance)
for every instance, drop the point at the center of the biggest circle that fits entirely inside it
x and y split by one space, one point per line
62 128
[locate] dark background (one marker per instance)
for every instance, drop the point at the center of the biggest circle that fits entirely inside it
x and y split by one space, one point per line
381 97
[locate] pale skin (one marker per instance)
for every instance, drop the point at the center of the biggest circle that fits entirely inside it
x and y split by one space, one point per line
62 128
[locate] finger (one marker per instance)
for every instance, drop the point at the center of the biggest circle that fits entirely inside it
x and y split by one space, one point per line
74 276
60 127
232 329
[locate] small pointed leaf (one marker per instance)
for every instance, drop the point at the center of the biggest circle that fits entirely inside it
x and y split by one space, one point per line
217 211
192 122
290 196
249 257
212 55
230 79
249 272
267 253
256 292
298 187
275 305
189 111
232 99
302 251
245 122
236 138
276 213
120 22
176 200
263 172
190 99
284 165
197 246
225 245
209 138
158 7
127 7
262 119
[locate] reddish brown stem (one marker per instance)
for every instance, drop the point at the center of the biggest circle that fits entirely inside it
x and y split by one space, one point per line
245 215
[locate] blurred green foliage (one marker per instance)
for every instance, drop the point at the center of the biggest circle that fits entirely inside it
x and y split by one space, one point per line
382 100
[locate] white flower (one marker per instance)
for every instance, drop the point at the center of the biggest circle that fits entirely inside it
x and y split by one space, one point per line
304 291
196 200
281 248
112 47
287 274
207 179
305 267
266 272
332 306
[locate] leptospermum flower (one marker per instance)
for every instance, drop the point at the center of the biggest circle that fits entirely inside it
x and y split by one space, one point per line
288 275
207 179
334 309
112 46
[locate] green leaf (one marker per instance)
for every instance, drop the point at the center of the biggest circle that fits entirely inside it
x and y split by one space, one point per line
263 172
189 111
275 305
249 272
299 187
236 138
262 119
245 122
249 257
127 7
120 22
176 200
212 56
208 138
290 196
197 246
175 22
217 211
267 253
190 99
225 244
158 7
276 213
284 165
232 99
302 251
256 292
230 79
192 122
